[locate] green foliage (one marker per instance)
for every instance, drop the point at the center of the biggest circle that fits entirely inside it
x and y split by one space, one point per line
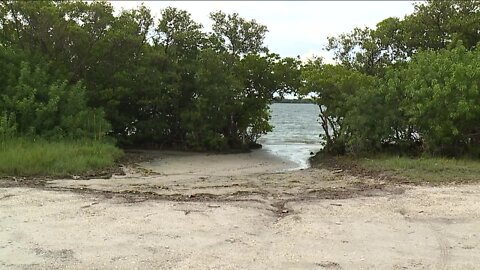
409 86
28 157
437 24
238 35
36 103
334 86
431 102
434 25
443 93
158 82
8 128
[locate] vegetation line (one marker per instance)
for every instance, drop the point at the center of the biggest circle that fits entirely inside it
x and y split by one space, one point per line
75 71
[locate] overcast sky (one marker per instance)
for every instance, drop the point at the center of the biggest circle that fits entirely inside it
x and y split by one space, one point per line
295 27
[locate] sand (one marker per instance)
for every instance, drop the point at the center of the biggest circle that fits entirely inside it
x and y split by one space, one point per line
258 161
197 211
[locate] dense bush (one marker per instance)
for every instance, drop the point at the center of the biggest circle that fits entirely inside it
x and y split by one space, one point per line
409 86
442 89
160 82
37 102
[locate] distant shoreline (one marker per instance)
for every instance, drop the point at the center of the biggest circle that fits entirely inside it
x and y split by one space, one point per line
296 101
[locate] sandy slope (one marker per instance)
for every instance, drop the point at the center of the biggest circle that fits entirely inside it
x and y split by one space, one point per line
193 215
258 161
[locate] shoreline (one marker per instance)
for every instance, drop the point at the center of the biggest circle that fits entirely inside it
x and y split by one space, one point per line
259 161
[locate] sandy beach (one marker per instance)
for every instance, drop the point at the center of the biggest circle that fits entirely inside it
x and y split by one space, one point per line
258 161
242 211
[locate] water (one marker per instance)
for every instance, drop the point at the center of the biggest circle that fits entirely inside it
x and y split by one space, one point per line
295 134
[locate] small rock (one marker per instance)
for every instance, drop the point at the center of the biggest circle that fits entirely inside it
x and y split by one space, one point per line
214 206
336 204
284 211
75 177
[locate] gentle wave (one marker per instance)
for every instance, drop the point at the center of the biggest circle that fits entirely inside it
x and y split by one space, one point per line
296 131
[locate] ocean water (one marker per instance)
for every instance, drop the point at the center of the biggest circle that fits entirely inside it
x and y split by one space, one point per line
296 132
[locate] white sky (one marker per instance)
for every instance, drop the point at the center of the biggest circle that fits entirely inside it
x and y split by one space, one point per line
295 27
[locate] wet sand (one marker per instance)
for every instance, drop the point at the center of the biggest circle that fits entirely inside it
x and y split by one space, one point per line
197 211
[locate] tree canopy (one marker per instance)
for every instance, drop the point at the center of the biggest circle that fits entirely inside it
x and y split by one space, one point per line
161 82
410 85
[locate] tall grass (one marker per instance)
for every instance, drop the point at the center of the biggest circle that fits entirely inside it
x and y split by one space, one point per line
28 157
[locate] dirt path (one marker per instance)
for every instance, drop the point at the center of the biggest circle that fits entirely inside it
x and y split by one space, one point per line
202 218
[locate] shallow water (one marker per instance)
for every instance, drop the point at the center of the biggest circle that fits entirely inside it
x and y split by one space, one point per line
296 132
